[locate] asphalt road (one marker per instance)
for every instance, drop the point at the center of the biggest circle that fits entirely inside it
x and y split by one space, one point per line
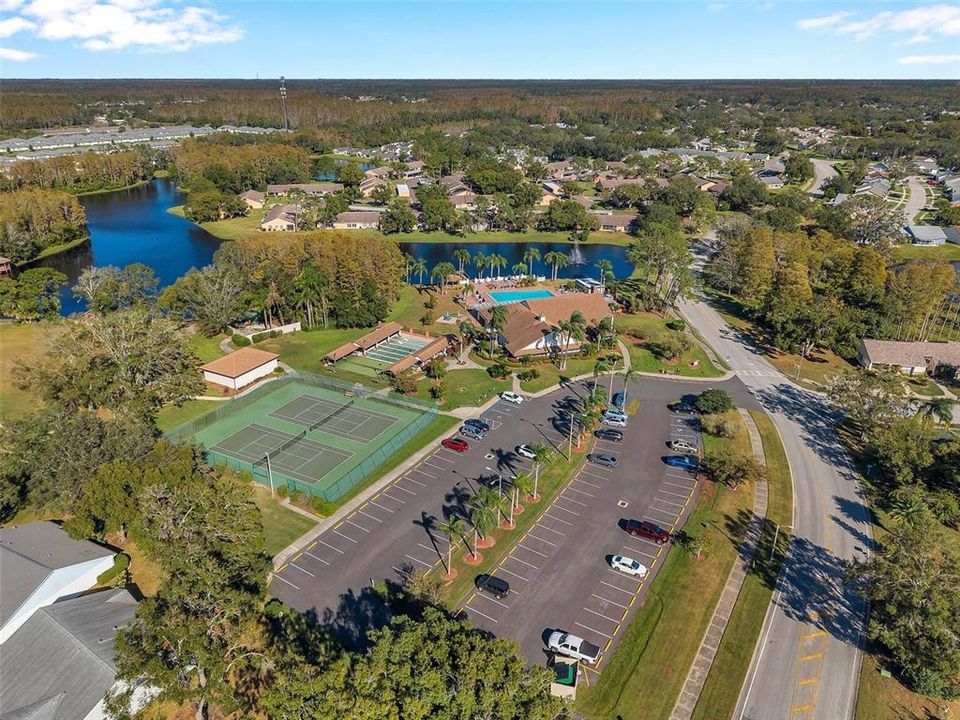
823 171
916 199
807 665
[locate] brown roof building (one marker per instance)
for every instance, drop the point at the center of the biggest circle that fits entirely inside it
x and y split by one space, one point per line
908 357
239 362
323 188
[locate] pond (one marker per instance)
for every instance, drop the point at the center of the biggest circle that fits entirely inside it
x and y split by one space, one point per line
584 258
133 225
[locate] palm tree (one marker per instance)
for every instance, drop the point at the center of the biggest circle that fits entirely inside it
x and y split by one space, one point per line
628 375
452 529
466 331
519 269
408 262
604 327
496 262
419 267
602 366
909 507
522 483
271 301
541 456
308 289
939 409
440 273
529 256
462 256
605 267
480 261
498 321
482 514
575 330
557 260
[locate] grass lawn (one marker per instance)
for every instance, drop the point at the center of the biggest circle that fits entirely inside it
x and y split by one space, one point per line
947 251
550 374
650 664
885 698
410 309
24 342
464 387
281 526
171 416
722 688
205 348
642 358
923 386
305 350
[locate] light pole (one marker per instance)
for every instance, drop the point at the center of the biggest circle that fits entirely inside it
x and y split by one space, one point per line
500 485
283 102
775 536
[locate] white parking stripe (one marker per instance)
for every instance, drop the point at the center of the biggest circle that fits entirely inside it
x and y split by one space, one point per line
443 456
556 532
431 549
417 482
398 486
558 519
663 513
601 615
608 637
661 491
315 557
294 565
386 494
359 527
628 592
345 536
586 482
593 474
603 599
435 467
372 517
535 552
688 487
473 609
296 587
492 599
524 562
558 507
331 547
509 572
668 502
418 560
633 549
582 492
531 535
575 502
374 502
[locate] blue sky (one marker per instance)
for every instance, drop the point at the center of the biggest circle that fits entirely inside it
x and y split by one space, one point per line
479 39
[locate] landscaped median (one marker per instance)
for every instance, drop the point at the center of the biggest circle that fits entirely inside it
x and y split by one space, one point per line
648 668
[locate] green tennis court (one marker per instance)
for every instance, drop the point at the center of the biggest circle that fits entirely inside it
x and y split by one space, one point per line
320 437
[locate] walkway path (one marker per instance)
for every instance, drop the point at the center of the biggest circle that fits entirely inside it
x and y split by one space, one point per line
700 668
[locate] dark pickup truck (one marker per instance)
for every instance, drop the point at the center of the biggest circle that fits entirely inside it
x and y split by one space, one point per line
647 530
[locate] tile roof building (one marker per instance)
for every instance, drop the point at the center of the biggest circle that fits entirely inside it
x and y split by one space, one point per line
913 358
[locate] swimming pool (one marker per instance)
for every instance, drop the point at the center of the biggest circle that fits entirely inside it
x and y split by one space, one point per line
511 296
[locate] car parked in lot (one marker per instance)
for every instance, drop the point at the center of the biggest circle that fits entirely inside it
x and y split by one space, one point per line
618 399
684 446
644 529
526 451
617 421
478 424
471 432
492 585
603 459
572 646
628 566
682 406
684 462
511 397
609 435
458 444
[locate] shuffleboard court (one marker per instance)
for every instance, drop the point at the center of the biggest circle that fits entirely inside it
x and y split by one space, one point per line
293 455
341 419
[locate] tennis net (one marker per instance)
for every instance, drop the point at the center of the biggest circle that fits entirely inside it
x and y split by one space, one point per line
330 415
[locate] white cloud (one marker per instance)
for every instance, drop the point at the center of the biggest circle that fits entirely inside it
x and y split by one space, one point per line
11 26
15 55
8 5
929 60
824 21
147 25
921 23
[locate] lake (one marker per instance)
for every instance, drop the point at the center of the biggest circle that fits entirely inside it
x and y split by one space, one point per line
133 225
590 255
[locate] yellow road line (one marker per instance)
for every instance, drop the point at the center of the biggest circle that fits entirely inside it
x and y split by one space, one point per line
812 656
815 634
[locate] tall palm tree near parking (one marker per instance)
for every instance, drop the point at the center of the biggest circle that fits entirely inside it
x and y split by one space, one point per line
629 374
541 456
496 262
453 529
482 514
419 267
529 257
498 321
605 328
522 484
480 262
272 301
556 260
576 327
462 256
601 367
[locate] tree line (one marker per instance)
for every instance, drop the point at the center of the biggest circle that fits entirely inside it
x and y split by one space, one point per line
85 172
32 220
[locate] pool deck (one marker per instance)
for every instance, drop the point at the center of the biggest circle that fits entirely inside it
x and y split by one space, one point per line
482 294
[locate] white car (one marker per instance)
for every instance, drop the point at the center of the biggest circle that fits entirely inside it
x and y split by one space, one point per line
525 451
683 446
511 397
618 421
628 566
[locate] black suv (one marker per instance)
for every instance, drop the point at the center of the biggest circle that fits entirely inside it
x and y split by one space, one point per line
493 585
609 434
477 423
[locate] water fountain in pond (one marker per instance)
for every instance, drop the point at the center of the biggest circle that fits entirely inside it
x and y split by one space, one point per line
576 254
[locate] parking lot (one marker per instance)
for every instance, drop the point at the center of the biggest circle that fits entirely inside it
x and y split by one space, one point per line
559 569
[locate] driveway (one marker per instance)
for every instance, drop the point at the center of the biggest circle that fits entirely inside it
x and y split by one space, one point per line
808 660
916 200
823 171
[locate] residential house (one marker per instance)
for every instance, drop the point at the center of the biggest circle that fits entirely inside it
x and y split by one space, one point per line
557 169
383 172
281 218
463 199
702 184
912 358
929 235
370 184
584 201
315 189
926 165
42 564
253 198
605 182
839 199
718 187
403 190
772 180
357 220
240 368
414 169
876 185
59 664
952 233
615 222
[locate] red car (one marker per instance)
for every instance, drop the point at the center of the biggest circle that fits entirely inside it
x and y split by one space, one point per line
647 530
458 444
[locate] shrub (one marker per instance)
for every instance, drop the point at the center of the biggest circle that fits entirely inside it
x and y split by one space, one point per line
678 325
945 507
733 469
670 346
427 318
430 303
257 337
322 507
717 426
438 390
714 400
120 563
283 491
498 371
240 340
435 369
528 375
404 383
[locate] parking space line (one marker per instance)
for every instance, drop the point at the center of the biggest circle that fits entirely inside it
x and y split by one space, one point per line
294 565
686 486
565 522
417 482
634 550
372 517
582 492
675 494
601 615
360 527
470 607
628 592
398 486
491 599
556 532
278 577
386 494
678 476
345 536
524 562
670 515
603 599
431 549
587 482
374 502
435 467
608 637
418 560
513 573
330 546
443 456
535 552
669 502
529 534
558 507
307 552
594 475
575 502
651 543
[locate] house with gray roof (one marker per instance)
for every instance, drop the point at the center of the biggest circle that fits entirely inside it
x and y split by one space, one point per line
40 564
59 665
912 358
929 235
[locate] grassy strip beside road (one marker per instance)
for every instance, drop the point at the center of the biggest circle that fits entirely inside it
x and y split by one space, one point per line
722 688
553 477
281 526
650 664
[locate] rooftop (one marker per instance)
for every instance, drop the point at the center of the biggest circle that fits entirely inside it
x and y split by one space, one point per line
911 354
241 361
